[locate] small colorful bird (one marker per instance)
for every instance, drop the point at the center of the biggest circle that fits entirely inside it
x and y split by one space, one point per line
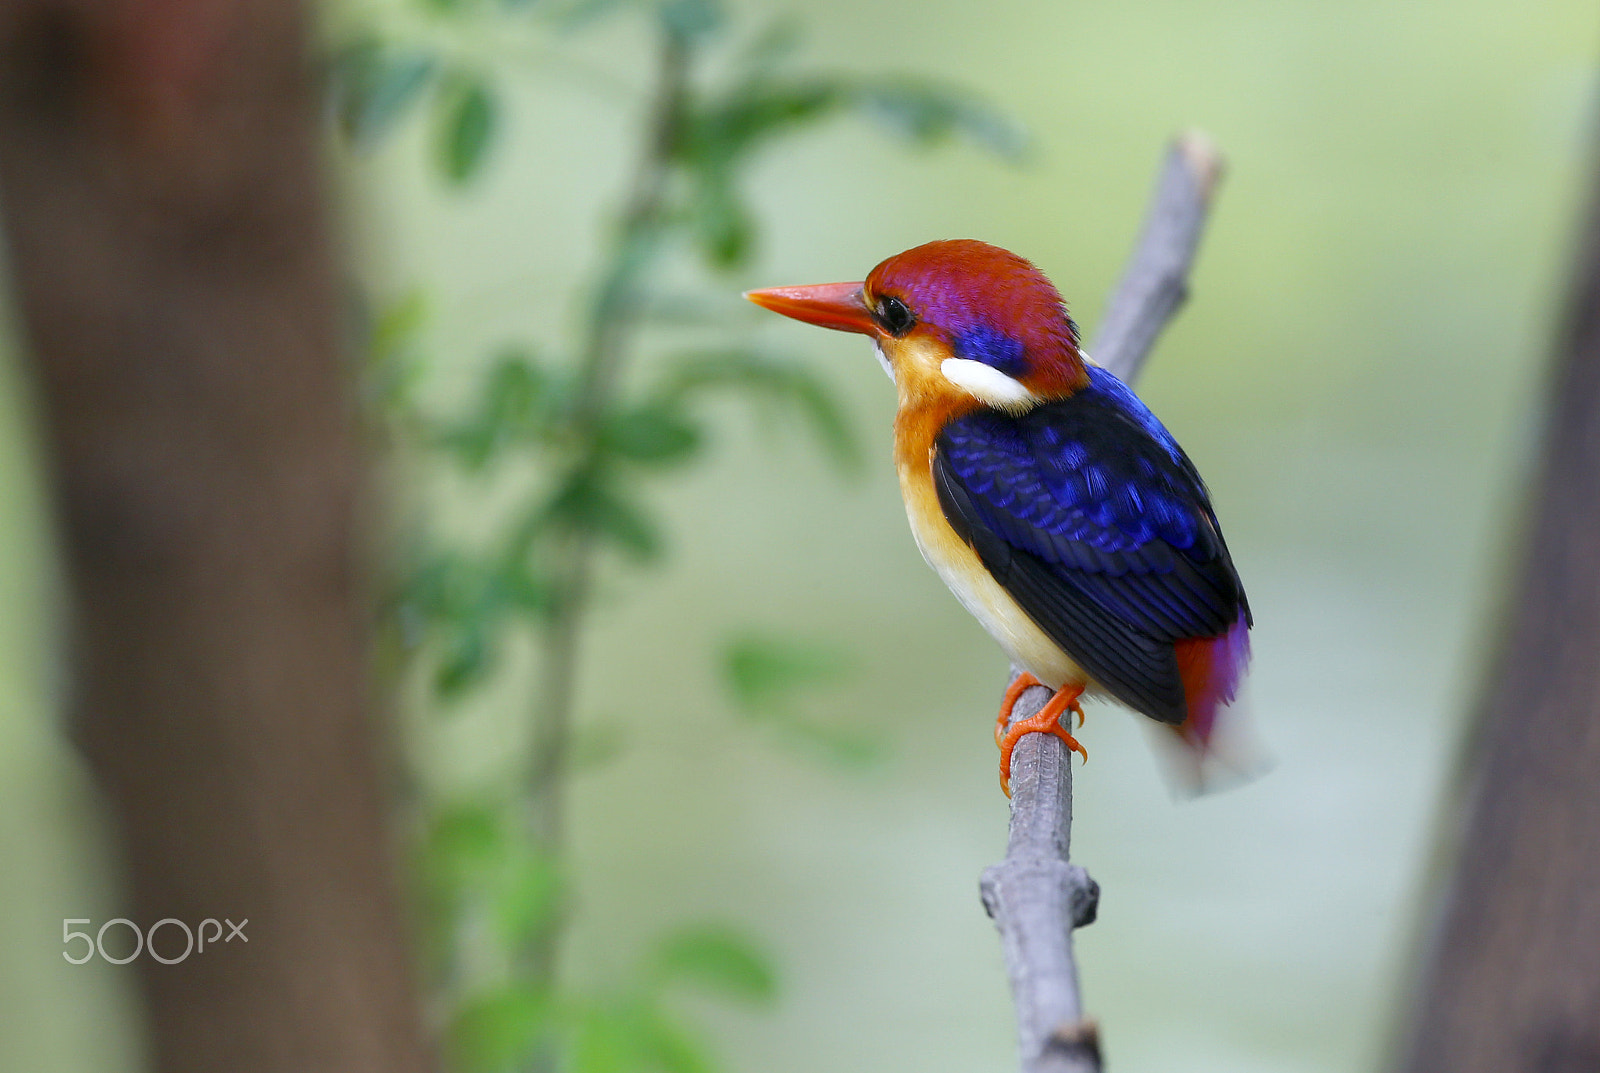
1049 499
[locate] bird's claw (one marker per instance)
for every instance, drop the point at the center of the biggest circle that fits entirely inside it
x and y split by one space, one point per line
1019 685
1046 721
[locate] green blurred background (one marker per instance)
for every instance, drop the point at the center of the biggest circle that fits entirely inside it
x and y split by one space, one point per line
1357 376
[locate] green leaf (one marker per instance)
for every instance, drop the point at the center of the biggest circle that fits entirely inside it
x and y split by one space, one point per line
767 675
498 1030
719 959
461 847
517 403
928 112
589 503
454 856
514 387
628 1033
763 378
374 84
446 593
421 595
464 663
514 585
467 124
393 367
813 400
529 899
719 134
474 444
765 672
671 1048
443 589
398 326
732 125
607 1038
625 525
721 225
657 434
468 830
461 604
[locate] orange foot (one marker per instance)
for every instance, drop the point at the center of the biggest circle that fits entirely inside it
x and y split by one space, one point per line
1047 721
1014 691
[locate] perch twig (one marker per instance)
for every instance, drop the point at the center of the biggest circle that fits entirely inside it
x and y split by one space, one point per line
1036 896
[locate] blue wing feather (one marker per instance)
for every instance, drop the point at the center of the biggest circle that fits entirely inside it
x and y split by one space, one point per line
1089 513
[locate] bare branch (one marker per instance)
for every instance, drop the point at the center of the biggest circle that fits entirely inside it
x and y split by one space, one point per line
1156 281
1036 896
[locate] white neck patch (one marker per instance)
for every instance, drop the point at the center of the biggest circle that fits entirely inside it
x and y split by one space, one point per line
883 360
987 384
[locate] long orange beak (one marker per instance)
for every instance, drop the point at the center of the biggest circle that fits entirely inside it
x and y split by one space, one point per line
827 305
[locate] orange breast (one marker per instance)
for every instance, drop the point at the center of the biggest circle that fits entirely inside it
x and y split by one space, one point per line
1029 647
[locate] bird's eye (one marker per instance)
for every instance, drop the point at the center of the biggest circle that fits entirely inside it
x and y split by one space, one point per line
894 316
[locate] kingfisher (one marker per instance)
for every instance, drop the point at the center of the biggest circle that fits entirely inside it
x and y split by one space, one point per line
1057 508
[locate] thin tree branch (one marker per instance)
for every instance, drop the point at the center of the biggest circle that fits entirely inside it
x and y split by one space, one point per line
1036 896
611 331
1156 282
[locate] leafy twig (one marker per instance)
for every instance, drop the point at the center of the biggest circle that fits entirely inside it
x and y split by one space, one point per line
614 319
492 862
1036 896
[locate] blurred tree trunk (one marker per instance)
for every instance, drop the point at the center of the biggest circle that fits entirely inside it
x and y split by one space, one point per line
1513 975
169 246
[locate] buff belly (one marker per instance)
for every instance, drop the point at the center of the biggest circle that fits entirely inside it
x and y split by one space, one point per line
1029 647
